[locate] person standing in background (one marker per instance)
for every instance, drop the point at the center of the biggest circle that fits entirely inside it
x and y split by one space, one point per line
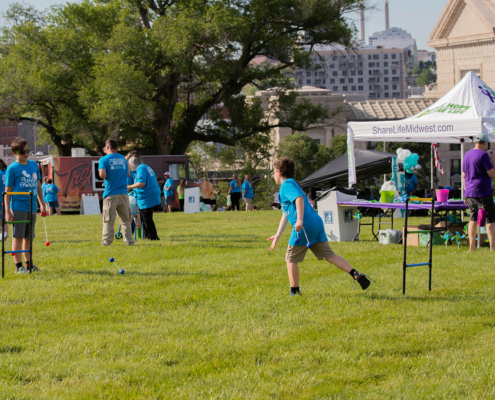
247 193
235 193
50 194
114 169
180 192
136 221
168 190
43 186
3 171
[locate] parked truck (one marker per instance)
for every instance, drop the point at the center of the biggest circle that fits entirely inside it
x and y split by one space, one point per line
75 176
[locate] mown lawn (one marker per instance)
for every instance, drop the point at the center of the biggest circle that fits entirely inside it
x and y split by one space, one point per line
205 313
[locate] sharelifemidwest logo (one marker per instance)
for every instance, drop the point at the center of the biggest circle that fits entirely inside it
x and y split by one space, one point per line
447 108
412 128
488 92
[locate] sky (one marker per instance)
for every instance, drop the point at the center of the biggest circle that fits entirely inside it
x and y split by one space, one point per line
418 17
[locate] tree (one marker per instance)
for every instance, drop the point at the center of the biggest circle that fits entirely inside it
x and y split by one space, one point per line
147 72
338 146
416 71
308 155
426 78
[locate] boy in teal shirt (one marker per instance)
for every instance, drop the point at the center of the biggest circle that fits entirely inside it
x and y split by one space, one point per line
307 227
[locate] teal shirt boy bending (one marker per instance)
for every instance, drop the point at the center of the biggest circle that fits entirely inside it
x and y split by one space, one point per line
308 231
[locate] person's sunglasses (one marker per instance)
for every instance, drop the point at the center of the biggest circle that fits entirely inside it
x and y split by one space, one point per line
274 172
24 152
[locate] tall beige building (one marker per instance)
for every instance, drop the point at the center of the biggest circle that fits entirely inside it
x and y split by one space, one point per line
464 39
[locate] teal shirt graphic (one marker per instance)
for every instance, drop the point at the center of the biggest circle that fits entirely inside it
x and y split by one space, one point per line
23 178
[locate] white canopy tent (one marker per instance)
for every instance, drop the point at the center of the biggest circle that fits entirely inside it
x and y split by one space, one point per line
467 110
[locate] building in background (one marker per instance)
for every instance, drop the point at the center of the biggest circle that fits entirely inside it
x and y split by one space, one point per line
26 130
425 56
372 71
397 38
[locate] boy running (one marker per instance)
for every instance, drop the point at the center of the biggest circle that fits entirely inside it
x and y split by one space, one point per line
298 211
22 176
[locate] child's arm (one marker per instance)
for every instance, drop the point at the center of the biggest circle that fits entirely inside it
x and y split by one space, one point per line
281 228
300 213
40 198
8 214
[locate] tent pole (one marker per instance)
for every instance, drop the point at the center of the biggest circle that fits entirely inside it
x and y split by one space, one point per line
384 175
432 165
462 180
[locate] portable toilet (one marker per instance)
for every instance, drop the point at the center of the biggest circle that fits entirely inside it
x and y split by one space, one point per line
340 223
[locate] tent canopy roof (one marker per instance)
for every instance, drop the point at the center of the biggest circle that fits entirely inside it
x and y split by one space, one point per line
368 164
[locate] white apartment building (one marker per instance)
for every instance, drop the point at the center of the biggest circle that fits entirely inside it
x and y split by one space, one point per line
425 56
375 72
397 38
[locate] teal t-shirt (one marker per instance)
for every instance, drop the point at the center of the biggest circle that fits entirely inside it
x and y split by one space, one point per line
234 186
116 166
246 186
149 195
50 192
43 186
170 185
312 222
131 177
23 178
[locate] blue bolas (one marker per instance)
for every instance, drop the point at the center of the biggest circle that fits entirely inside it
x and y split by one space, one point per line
121 272
111 259
296 240
309 245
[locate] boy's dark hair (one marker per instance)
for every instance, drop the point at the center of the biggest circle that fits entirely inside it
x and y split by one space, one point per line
286 167
3 166
112 143
18 144
45 179
49 181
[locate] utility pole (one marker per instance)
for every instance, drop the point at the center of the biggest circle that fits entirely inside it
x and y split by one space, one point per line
386 15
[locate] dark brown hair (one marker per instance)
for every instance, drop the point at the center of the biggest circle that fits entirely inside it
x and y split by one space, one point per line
286 167
45 179
112 144
49 181
18 144
3 166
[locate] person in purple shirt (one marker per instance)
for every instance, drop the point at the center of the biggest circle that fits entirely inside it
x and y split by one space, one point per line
477 174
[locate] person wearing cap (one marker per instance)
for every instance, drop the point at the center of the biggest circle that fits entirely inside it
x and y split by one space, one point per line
477 174
168 190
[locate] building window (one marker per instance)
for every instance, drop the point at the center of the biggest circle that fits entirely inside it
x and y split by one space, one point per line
308 81
353 88
334 73
353 73
317 81
385 56
317 141
394 72
378 64
371 65
396 94
344 73
394 87
342 58
454 147
369 56
322 73
386 87
385 79
378 95
385 64
299 74
385 72
351 80
371 145
360 65
361 72
371 80
300 81
352 58
334 58
372 95
332 80
335 88
344 88
387 95
342 80
324 81
308 74
371 87
360 88
332 66
370 72
360 80
376 56
376 72
394 56
455 167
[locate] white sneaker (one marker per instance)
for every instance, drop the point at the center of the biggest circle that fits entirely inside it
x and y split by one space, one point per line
21 270
5 235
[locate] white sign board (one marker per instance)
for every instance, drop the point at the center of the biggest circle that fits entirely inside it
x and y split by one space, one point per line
340 222
191 200
90 204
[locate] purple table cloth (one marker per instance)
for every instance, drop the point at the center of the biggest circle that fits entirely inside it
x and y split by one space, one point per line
439 206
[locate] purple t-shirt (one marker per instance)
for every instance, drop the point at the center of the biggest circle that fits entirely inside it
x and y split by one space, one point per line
478 183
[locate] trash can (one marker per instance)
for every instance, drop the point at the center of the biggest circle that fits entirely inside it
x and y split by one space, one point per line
340 222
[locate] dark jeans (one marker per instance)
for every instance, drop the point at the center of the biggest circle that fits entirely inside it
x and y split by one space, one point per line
149 229
235 198
181 203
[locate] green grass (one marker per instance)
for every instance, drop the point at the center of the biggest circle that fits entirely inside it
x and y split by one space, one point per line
204 313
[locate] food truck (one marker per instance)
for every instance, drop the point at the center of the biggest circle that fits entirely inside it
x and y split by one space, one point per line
75 176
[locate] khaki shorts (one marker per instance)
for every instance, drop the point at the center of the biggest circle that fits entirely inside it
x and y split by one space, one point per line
296 254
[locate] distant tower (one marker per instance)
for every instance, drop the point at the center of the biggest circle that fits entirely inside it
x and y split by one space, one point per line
386 15
362 24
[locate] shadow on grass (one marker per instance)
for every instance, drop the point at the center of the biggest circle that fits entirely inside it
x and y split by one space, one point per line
423 298
140 273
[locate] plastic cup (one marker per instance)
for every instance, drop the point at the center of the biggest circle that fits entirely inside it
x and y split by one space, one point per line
387 196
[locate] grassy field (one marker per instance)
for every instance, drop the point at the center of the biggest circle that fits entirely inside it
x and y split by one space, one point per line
205 313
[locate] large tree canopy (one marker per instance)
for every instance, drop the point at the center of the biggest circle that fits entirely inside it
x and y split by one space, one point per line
150 72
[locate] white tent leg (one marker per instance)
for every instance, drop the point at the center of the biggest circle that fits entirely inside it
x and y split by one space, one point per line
462 183
432 165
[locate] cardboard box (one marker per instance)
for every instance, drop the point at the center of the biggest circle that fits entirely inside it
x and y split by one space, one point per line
413 238
454 227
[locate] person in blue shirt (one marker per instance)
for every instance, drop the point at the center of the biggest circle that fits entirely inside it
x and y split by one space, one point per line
3 174
43 186
114 169
235 193
247 193
22 175
307 228
411 183
50 195
147 192
168 190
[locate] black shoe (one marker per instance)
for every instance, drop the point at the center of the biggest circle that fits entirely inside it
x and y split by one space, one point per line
362 279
